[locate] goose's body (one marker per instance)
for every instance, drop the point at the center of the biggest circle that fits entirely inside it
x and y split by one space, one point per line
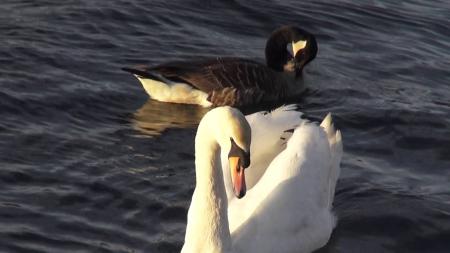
234 81
288 209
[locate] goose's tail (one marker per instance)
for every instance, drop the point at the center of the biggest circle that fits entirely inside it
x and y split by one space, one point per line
142 72
335 141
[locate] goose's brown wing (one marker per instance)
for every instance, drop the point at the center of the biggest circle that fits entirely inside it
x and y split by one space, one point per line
227 80
220 73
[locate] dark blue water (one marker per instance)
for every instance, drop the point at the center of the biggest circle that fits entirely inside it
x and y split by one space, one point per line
89 164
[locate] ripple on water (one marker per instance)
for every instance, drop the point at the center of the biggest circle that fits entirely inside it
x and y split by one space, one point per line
88 165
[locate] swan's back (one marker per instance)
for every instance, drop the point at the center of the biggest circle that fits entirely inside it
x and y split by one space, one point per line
289 209
270 132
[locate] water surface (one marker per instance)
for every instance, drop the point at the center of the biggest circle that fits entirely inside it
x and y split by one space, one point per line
89 164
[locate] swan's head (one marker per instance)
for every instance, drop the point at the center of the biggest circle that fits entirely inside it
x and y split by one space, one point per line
233 134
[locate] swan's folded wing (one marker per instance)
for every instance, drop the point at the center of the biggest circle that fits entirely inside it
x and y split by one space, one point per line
306 158
270 133
287 209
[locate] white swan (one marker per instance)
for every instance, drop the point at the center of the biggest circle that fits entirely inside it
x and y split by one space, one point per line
288 209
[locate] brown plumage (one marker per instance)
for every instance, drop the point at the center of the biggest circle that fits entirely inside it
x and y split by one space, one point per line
240 82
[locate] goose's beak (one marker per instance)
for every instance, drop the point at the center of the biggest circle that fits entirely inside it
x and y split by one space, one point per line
298 48
237 177
297 61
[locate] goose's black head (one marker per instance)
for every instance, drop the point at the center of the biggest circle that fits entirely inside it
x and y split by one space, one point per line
289 49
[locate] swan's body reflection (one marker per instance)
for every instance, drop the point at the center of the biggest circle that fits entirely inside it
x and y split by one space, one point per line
154 117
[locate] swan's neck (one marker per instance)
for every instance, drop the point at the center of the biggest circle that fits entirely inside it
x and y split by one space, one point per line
207 228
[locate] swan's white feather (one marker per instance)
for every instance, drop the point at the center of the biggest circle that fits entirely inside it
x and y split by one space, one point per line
289 207
269 137
292 198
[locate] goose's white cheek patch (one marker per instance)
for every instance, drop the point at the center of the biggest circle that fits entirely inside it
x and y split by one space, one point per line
297 46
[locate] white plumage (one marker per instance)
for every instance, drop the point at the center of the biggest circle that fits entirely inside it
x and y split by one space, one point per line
289 207
270 133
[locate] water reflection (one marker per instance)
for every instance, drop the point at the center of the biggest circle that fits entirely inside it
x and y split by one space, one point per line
154 117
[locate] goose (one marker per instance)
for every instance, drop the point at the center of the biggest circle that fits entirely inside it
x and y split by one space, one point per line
287 210
234 81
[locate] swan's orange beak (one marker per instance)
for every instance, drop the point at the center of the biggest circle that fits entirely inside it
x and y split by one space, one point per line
237 176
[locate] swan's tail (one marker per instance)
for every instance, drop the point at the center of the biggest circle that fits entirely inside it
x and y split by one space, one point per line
335 141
